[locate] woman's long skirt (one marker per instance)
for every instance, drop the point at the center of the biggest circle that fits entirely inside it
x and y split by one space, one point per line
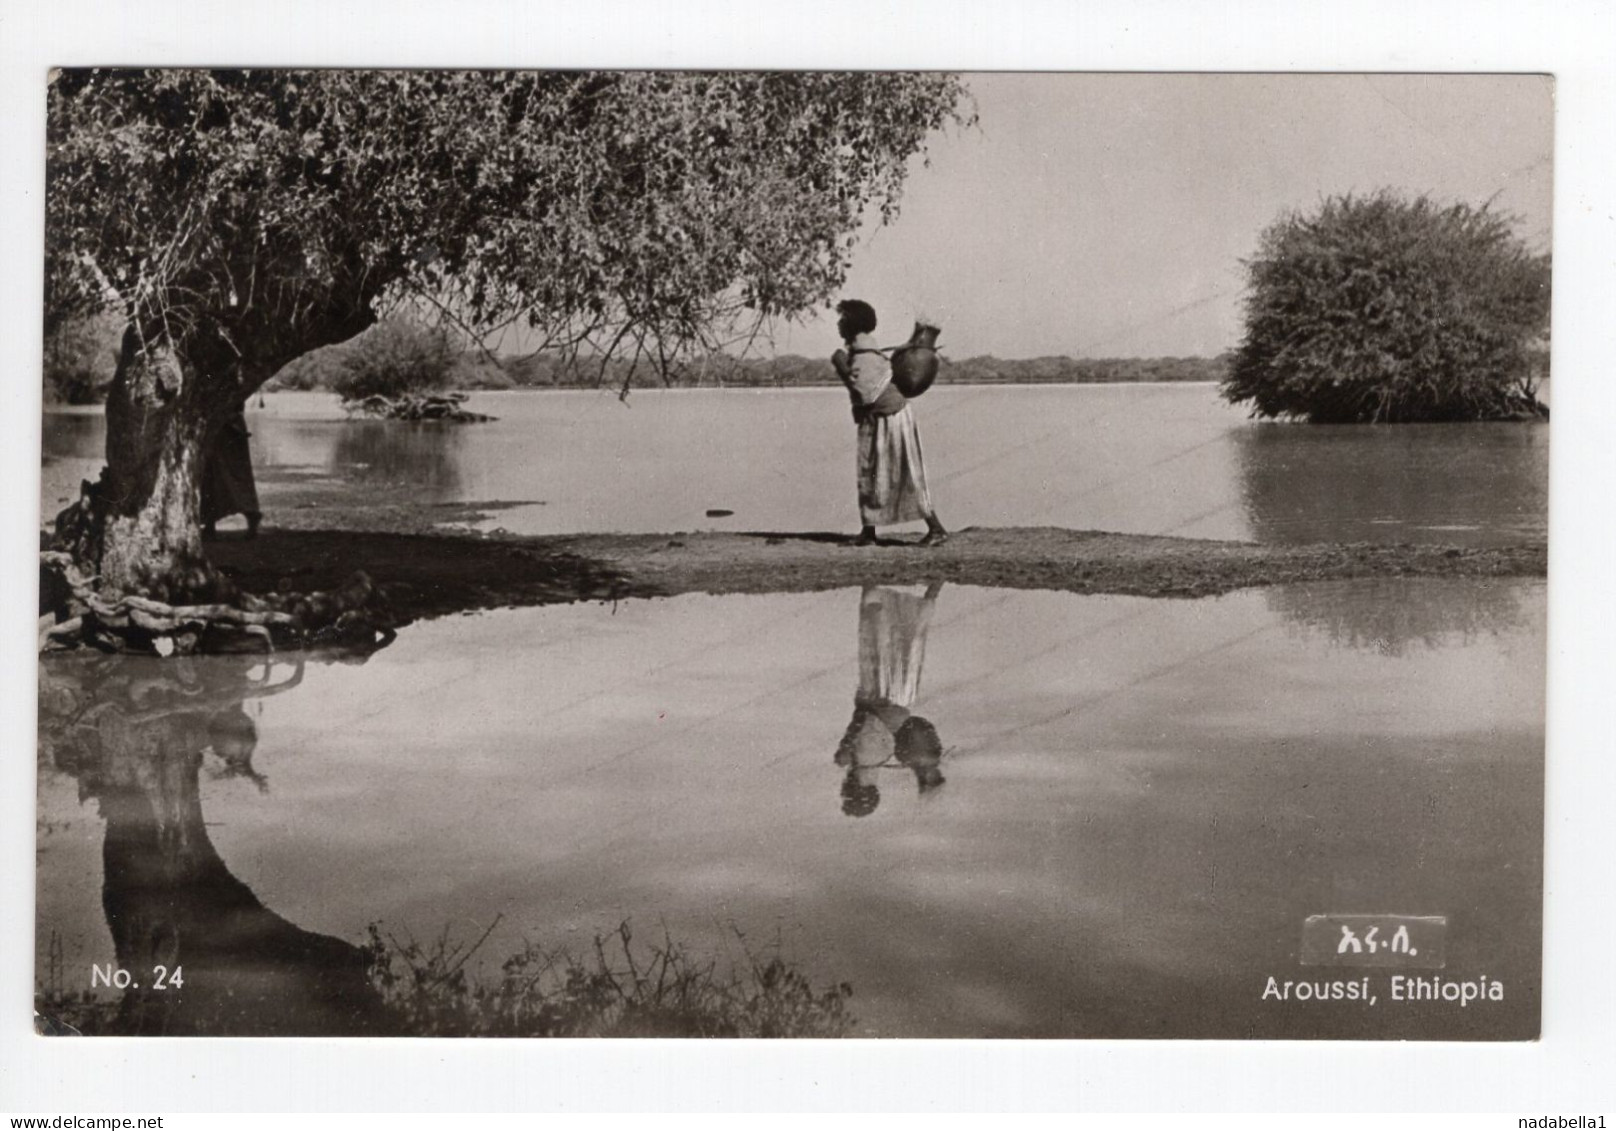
891 644
891 472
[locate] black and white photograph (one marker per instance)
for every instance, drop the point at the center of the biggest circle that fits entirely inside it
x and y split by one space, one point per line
788 554
866 560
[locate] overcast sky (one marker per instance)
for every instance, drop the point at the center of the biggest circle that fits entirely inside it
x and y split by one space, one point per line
1107 214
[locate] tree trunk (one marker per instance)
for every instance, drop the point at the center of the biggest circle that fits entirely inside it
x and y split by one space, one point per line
138 528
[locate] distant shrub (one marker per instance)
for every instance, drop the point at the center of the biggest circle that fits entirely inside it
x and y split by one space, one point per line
81 357
1381 308
394 358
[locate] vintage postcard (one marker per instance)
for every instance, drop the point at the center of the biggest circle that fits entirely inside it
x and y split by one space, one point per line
793 554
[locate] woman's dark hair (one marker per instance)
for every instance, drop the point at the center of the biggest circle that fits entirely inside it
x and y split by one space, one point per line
860 315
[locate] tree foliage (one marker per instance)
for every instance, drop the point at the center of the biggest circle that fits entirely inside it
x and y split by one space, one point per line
239 219
1382 308
248 216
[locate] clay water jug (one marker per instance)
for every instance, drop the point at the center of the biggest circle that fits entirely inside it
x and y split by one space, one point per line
914 364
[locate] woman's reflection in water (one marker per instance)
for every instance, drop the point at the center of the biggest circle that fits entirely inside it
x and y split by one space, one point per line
884 730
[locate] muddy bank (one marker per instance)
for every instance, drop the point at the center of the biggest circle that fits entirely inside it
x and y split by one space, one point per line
431 574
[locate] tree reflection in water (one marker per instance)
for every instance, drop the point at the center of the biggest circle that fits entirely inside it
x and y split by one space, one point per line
1455 484
136 733
425 457
1391 615
1459 484
884 731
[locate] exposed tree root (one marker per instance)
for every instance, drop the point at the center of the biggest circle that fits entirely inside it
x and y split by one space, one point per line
353 615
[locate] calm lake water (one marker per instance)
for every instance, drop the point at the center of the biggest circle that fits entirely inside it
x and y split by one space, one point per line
1112 821
1151 459
993 813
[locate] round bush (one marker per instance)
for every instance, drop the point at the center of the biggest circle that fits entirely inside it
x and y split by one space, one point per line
1382 308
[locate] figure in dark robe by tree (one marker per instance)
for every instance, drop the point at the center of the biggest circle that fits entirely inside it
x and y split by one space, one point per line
227 478
235 220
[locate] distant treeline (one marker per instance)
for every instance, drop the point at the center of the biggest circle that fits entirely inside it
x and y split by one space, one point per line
80 358
472 370
793 370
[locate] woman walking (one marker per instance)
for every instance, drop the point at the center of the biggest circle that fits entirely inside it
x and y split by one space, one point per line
891 472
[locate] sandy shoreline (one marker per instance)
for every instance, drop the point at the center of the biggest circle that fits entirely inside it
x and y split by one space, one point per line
319 530
427 574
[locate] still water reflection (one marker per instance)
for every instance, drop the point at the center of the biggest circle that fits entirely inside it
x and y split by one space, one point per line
1393 616
1143 802
203 953
423 457
1466 485
1147 459
885 731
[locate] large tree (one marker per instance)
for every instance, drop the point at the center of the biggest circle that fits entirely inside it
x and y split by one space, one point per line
1386 308
238 219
